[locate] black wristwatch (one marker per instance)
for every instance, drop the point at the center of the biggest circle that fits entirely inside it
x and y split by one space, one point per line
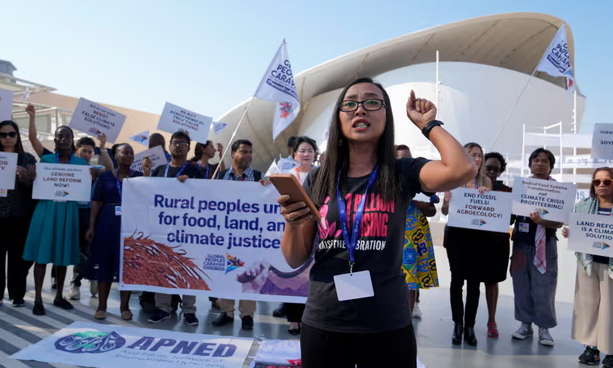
428 127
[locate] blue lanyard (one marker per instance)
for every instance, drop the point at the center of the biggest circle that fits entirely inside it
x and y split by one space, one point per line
178 174
119 184
57 158
208 167
352 239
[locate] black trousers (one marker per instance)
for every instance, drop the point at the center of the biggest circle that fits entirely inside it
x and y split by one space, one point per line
465 316
14 232
293 311
325 349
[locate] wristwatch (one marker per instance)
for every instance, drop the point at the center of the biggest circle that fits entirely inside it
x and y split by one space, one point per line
428 127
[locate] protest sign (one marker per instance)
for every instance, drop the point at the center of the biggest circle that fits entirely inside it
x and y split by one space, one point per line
202 236
155 154
142 138
8 170
92 118
175 118
88 344
591 234
553 200
602 141
490 211
6 104
60 182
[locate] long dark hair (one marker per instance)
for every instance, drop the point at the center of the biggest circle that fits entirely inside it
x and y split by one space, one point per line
18 145
199 150
592 189
337 154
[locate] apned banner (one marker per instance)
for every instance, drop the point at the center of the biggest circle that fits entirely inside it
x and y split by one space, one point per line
210 237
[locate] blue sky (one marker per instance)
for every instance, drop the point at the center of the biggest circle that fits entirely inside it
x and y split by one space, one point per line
209 56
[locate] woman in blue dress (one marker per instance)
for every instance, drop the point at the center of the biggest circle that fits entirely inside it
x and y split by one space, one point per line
54 231
105 230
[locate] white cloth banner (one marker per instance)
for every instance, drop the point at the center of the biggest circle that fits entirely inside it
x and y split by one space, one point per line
96 345
142 138
490 211
206 237
278 85
602 141
591 234
556 60
6 104
176 118
8 170
155 154
61 182
278 353
553 200
92 118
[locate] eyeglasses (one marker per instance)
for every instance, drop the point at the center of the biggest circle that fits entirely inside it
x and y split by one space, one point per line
10 135
373 104
179 144
492 168
606 182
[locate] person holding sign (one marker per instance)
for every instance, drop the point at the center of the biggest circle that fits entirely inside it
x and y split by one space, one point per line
534 262
593 307
105 228
54 230
357 305
203 153
466 259
16 207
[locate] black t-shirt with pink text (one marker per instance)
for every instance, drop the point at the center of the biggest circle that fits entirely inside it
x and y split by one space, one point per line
379 250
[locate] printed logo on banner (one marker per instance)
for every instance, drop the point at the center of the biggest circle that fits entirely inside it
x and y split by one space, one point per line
601 245
478 222
214 262
542 211
285 109
90 342
233 263
95 131
61 193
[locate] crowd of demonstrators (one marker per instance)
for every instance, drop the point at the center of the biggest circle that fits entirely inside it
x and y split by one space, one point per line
534 263
361 163
241 170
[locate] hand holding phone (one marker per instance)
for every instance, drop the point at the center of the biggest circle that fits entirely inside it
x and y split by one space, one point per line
296 206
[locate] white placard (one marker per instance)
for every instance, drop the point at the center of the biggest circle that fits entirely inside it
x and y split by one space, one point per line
8 170
552 199
6 104
92 118
490 211
602 141
176 118
155 154
61 182
90 344
591 234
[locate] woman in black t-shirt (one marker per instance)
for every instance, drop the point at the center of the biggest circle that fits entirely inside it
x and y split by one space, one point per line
357 310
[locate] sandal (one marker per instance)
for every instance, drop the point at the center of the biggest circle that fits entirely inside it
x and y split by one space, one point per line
126 315
100 314
492 330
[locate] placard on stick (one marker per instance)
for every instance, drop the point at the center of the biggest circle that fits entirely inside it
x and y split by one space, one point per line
92 118
176 118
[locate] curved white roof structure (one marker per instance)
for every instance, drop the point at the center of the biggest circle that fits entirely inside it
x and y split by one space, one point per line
514 41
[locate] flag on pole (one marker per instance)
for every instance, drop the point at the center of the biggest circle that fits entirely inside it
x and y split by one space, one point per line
278 85
218 127
26 94
141 138
556 60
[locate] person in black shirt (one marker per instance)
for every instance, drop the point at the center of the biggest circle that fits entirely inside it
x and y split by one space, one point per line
181 169
363 193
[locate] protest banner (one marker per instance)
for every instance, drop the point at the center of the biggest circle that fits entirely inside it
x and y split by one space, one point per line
6 104
602 141
591 234
88 344
212 237
60 182
490 211
8 170
175 118
155 154
92 118
553 200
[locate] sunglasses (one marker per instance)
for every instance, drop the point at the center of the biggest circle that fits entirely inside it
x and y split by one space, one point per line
10 135
606 182
492 168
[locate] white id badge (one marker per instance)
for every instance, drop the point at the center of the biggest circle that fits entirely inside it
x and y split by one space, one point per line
4 192
357 285
117 210
524 227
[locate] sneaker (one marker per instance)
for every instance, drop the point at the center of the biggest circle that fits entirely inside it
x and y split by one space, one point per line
492 330
222 320
159 316
53 283
93 288
416 311
545 338
523 332
17 303
608 362
280 311
590 356
74 292
247 323
190 319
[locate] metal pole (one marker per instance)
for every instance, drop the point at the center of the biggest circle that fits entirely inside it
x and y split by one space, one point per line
561 155
438 81
523 149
